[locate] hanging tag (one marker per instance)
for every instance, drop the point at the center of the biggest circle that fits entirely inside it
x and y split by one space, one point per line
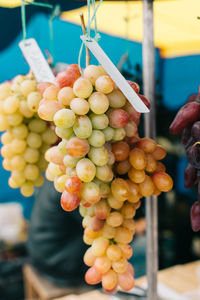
114 73
36 60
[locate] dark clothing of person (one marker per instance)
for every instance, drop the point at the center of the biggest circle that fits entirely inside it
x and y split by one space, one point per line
55 239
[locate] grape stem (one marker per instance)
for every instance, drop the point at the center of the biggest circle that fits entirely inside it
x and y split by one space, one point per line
84 32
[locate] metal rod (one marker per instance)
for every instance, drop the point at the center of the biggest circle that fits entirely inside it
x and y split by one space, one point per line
150 131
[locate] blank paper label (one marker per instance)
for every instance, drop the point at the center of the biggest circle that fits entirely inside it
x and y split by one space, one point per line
114 73
36 60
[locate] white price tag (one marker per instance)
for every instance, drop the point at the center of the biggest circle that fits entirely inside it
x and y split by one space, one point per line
36 60
116 76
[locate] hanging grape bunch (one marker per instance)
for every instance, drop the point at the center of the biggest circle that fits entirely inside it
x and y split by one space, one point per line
102 166
187 122
26 137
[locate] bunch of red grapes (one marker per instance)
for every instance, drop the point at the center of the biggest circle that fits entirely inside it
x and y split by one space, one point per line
102 166
187 122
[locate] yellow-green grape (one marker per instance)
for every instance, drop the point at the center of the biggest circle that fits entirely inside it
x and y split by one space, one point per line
6 163
82 127
31 172
108 231
1 108
99 156
104 84
33 101
49 176
42 163
28 86
59 183
70 172
54 169
49 136
97 139
39 181
83 211
31 155
82 88
79 106
99 246
92 72
4 91
15 88
114 219
64 118
15 119
108 133
62 147
4 125
20 131
90 192
119 134
27 189
86 170
99 103
105 189
37 125
70 161
6 137
12 183
44 148
99 121
104 173
116 99
34 140
24 110
64 133
11 104
111 158
18 177
18 146
18 163
65 95
7 151
18 79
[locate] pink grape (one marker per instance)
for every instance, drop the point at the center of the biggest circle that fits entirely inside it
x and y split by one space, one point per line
102 264
102 209
96 224
77 147
47 109
118 118
126 281
92 276
69 201
89 258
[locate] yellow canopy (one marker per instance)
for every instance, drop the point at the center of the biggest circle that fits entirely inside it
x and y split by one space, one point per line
11 3
177 29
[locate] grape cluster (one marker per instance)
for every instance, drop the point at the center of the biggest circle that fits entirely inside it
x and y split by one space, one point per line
102 166
26 137
187 122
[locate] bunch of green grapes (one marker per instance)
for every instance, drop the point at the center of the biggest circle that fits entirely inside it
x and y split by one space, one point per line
100 143
26 137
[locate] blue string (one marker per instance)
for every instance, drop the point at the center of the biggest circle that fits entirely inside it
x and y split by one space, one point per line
90 20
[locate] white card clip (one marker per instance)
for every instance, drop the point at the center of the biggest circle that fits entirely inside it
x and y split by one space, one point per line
114 73
36 60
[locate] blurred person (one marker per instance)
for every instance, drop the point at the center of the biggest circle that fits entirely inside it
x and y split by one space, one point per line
55 239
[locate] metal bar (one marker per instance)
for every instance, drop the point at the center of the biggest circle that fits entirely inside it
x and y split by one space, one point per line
150 131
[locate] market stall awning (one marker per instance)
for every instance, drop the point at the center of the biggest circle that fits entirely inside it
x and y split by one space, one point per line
177 29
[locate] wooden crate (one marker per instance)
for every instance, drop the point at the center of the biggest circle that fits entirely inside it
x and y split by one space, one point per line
39 288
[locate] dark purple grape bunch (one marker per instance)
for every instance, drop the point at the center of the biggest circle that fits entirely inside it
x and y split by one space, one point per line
187 122
195 213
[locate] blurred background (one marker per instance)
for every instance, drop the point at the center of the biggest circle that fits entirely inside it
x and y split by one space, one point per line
177 53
